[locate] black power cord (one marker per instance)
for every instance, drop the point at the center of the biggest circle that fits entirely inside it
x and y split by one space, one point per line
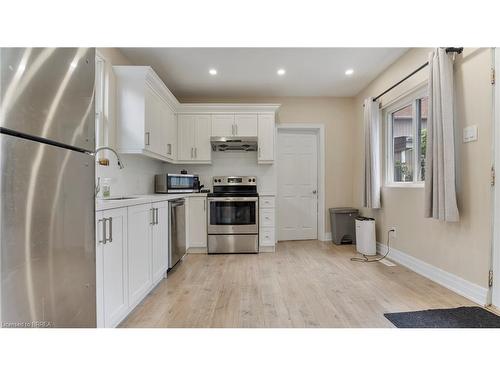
365 259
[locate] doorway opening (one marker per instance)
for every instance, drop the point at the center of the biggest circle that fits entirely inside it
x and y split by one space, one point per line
301 182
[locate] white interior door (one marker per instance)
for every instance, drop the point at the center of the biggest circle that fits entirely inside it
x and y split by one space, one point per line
297 185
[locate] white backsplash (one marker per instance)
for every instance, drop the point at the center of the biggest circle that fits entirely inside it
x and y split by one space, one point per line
231 164
138 175
136 178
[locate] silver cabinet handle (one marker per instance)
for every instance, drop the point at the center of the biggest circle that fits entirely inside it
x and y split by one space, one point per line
234 131
169 148
156 221
260 152
192 150
315 191
153 216
236 126
103 221
196 152
147 138
110 229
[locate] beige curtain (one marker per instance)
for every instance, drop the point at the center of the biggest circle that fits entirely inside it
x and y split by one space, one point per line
371 191
440 194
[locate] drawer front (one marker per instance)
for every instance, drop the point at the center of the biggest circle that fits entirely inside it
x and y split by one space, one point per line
266 202
267 217
267 237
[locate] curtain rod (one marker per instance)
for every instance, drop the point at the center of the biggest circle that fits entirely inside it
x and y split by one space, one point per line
448 50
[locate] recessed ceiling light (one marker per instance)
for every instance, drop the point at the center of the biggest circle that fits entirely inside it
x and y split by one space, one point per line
281 72
212 72
349 72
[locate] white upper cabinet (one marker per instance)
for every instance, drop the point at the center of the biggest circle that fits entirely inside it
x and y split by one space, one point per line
194 138
223 125
245 124
145 113
152 122
239 124
155 122
266 138
171 135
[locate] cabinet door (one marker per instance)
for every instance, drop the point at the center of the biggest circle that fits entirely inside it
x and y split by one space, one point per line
171 134
246 124
154 122
266 138
140 219
197 222
185 131
160 241
99 274
111 267
203 131
223 125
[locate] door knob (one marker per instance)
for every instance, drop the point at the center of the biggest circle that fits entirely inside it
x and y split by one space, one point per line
315 191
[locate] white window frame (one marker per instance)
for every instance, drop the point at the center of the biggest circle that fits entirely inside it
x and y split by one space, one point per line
411 98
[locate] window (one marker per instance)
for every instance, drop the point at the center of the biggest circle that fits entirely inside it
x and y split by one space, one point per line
406 140
99 101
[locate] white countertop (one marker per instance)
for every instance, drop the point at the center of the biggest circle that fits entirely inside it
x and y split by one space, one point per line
107 204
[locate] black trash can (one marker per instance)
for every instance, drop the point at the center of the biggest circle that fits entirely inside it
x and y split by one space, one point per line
342 221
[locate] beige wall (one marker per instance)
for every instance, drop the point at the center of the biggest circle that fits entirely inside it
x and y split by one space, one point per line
460 248
337 116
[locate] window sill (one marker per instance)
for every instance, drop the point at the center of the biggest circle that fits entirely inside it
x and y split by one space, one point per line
405 185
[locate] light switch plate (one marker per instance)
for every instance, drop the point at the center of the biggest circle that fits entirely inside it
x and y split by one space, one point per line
470 133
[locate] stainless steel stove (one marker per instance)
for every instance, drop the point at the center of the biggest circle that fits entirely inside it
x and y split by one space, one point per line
233 215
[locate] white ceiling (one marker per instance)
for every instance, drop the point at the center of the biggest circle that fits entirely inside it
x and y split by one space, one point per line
251 72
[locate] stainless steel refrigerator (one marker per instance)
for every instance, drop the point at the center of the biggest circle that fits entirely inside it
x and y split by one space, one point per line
47 187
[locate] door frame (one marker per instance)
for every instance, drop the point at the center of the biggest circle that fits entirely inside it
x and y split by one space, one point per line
494 295
319 130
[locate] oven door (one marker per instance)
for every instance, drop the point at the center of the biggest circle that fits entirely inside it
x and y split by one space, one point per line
233 215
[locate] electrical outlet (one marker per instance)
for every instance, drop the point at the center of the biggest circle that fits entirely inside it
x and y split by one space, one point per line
392 232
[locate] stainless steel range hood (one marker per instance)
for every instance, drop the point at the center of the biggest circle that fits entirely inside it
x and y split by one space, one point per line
234 144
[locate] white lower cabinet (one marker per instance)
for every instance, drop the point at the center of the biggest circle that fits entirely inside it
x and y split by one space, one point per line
131 258
140 222
160 241
267 214
197 223
111 267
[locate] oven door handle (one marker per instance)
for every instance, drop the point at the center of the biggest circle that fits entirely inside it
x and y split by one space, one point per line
242 199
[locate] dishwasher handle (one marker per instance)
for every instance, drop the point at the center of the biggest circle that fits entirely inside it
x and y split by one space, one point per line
177 202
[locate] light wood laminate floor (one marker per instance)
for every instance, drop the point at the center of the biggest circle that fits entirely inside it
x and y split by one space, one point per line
303 284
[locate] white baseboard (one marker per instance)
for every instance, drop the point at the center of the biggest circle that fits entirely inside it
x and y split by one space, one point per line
453 282
197 250
327 236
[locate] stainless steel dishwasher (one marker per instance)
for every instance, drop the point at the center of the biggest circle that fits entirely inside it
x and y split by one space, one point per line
176 231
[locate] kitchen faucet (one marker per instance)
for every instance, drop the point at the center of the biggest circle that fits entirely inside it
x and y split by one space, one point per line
120 165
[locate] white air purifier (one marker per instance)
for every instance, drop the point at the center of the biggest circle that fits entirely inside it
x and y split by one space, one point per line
365 236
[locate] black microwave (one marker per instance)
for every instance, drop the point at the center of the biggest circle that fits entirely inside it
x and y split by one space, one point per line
176 183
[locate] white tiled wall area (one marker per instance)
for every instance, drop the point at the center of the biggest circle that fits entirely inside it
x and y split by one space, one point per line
231 164
138 175
136 178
